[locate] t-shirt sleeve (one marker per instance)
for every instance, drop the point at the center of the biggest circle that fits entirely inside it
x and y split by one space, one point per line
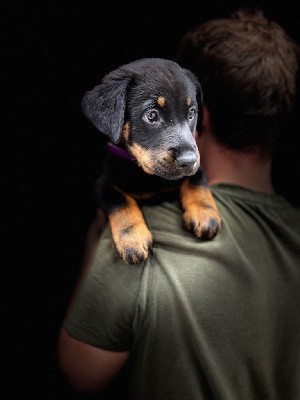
103 312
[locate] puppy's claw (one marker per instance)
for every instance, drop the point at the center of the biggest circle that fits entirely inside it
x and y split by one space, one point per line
203 225
134 247
209 229
132 256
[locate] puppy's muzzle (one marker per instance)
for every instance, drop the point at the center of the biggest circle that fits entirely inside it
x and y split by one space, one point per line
185 159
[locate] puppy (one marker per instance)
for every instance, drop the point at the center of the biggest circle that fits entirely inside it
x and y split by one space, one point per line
148 109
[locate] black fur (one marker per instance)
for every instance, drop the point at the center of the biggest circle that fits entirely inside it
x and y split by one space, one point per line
149 108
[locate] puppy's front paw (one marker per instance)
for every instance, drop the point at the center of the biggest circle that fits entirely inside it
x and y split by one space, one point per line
201 214
205 222
133 243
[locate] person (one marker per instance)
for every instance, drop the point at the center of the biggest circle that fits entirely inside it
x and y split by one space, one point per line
215 319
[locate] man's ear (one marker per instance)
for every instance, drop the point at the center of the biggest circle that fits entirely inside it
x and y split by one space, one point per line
199 95
105 105
206 121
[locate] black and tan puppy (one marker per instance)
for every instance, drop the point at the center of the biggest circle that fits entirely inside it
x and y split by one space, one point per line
148 109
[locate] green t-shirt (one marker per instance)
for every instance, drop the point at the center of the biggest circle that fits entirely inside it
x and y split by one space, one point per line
215 319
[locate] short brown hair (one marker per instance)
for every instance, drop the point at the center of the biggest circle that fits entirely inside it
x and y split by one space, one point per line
247 66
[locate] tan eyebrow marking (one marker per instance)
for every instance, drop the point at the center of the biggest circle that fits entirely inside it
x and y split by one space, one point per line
189 101
161 101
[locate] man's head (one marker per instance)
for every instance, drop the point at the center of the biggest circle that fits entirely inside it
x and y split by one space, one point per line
247 66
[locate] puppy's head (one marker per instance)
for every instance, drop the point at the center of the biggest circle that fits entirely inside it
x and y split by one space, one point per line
151 107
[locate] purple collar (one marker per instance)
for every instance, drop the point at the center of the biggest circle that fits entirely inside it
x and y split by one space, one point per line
118 151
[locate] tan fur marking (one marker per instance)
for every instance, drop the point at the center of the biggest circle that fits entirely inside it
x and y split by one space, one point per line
161 101
143 158
125 132
199 210
166 156
189 101
133 246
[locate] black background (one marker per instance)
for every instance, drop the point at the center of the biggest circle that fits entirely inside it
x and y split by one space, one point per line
52 53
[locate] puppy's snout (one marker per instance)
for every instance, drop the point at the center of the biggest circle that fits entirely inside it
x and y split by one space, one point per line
185 158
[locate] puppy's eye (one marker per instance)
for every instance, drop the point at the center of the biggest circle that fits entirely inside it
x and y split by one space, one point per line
152 116
192 113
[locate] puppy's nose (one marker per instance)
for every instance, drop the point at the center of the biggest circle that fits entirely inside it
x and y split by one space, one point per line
185 159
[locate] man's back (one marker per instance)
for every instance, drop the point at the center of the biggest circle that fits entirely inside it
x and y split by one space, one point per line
204 320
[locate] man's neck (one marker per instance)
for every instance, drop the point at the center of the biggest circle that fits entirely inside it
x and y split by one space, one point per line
250 170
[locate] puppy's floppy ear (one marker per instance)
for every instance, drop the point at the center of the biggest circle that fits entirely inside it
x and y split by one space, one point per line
105 104
199 95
